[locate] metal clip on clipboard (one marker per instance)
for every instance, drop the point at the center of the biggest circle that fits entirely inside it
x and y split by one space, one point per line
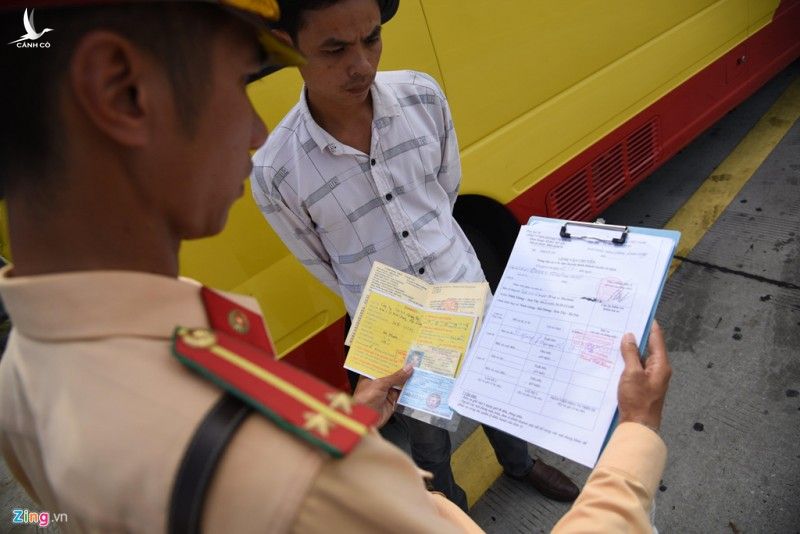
602 226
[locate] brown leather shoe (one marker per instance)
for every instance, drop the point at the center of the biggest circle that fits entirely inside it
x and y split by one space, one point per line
552 483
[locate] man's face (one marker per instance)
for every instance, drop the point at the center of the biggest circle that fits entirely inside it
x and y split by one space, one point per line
342 44
204 171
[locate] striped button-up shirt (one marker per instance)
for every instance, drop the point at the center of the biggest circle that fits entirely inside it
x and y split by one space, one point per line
339 210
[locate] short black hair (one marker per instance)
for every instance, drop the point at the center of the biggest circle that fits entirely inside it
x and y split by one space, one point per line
177 34
292 12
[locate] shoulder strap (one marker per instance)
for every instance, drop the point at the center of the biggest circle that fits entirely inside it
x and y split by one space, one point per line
200 461
295 401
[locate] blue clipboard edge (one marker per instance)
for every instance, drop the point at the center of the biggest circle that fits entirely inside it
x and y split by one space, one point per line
673 235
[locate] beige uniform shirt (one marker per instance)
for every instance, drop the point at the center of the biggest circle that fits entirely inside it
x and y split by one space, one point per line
95 416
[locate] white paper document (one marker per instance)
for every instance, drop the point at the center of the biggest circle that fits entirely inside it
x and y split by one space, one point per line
546 364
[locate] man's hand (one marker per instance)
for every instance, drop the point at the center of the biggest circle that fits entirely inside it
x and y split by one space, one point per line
379 394
642 388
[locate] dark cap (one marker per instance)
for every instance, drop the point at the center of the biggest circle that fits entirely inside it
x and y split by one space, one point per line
388 9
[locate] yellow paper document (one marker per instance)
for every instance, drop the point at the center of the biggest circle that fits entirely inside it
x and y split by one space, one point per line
402 319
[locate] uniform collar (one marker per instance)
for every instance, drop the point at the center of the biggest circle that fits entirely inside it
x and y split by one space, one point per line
97 304
384 107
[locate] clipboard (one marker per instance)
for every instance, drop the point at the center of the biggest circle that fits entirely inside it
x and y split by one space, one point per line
572 230
618 235
545 365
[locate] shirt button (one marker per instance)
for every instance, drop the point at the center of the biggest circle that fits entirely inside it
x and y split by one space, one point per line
372 162
389 196
405 233
421 270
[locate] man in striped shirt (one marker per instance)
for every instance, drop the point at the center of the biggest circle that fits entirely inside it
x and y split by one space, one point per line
366 168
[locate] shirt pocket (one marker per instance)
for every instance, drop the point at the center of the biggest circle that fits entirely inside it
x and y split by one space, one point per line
415 165
337 212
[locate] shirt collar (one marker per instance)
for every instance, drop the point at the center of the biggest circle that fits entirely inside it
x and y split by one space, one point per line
384 102
322 138
384 106
96 304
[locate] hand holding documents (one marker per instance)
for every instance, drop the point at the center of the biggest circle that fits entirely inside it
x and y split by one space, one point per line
403 320
546 364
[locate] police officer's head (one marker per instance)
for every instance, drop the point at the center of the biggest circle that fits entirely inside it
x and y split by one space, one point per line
148 96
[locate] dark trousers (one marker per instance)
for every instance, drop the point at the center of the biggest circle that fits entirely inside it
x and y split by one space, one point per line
431 451
431 448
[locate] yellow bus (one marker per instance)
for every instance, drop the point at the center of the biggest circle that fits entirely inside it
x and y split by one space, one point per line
560 108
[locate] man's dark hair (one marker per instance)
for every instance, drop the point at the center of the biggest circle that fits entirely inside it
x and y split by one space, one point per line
177 34
292 12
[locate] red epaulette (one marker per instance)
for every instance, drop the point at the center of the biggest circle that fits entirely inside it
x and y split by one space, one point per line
237 354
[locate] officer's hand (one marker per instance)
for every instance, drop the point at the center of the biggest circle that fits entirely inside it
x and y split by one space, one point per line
380 394
642 388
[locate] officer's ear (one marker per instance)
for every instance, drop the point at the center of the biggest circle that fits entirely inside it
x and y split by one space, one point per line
115 85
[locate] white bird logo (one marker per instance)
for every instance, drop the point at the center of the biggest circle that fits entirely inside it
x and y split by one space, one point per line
31 34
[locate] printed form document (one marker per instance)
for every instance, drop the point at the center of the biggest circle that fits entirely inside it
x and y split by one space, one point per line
546 364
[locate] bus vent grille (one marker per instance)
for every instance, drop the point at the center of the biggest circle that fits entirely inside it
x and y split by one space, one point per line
595 187
608 175
571 199
642 151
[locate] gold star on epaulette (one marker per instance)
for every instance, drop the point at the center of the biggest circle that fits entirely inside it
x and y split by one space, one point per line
340 401
318 422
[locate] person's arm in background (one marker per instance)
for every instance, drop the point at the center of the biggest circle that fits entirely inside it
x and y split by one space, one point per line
619 493
290 221
449 172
